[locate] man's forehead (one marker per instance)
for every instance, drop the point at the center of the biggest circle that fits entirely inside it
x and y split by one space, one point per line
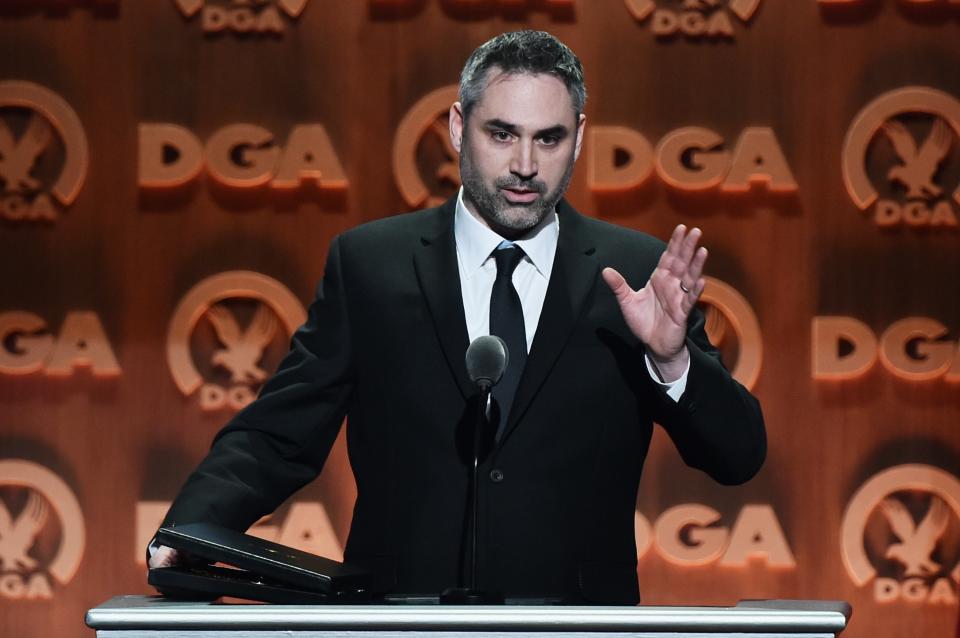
521 93
497 76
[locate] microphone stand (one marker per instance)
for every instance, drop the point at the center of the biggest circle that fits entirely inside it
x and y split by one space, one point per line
473 595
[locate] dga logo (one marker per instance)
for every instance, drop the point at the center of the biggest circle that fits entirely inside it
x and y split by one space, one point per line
902 531
901 159
226 326
914 348
693 18
423 140
690 535
691 159
732 327
242 16
43 152
27 345
239 156
41 531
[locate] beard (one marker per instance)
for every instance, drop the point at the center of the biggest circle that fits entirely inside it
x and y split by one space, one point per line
509 219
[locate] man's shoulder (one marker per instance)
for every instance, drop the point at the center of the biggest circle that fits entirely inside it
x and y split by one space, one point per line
400 227
610 236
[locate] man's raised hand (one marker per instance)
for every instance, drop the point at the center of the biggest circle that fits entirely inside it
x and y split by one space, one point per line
657 313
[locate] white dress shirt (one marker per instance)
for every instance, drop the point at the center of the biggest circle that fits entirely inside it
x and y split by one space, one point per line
478 270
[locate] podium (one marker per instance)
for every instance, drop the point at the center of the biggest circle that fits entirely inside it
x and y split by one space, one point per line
155 617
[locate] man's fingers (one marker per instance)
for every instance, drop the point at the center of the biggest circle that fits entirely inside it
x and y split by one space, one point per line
690 299
621 289
681 250
676 238
673 247
164 557
690 278
684 251
688 246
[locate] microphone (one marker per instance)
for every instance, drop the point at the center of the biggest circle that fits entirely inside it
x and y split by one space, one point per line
486 359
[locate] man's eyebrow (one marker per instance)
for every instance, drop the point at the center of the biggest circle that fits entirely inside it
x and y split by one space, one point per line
557 130
499 124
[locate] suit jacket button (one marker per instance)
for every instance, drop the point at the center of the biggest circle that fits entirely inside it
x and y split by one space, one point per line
496 476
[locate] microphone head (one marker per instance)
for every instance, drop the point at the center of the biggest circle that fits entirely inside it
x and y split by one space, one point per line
486 359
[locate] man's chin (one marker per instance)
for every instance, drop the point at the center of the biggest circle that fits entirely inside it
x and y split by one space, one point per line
519 219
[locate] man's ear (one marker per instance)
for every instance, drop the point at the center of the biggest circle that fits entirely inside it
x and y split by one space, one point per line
580 126
456 126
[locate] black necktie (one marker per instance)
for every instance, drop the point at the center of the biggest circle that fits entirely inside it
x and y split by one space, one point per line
506 322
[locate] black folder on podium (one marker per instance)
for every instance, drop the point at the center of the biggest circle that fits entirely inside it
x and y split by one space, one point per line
253 568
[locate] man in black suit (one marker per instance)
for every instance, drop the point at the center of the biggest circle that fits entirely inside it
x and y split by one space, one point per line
594 363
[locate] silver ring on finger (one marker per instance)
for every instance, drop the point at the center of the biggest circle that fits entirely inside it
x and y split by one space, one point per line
684 288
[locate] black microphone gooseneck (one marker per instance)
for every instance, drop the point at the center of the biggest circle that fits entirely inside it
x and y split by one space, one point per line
486 360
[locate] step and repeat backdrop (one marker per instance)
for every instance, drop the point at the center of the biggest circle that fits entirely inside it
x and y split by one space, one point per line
172 172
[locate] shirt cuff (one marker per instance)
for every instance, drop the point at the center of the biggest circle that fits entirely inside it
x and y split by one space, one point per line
674 389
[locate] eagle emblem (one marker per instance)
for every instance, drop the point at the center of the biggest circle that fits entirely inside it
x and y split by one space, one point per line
17 158
243 349
919 165
917 542
18 535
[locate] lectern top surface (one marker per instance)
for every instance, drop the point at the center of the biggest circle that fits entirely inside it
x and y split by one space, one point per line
153 612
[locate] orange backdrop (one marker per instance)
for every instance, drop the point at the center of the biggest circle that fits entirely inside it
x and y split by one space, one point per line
158 158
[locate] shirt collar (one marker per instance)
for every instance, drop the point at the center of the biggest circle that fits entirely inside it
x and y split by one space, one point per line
475 241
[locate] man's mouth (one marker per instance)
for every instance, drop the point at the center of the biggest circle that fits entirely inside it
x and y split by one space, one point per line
520 195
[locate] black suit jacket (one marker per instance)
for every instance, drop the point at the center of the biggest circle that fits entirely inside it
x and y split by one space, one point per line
384 344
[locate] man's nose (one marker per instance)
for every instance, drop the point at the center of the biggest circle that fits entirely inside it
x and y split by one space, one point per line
524 163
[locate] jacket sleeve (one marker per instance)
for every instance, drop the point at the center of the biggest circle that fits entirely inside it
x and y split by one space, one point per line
279 442
717 425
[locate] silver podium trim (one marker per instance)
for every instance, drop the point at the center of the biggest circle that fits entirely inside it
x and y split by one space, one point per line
802 618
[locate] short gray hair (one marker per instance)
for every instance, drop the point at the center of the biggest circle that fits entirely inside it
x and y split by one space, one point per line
522 52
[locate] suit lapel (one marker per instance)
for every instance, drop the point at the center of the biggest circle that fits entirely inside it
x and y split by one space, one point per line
435 261
573 277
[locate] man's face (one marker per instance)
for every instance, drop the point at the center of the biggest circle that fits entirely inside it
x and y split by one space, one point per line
517 149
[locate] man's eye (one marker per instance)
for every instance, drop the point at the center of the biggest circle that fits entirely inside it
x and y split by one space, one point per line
501 136
549 140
